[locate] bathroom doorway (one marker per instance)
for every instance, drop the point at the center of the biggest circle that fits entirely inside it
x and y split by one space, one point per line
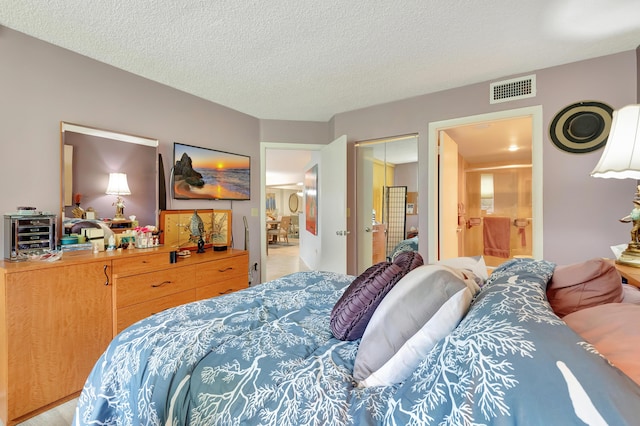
487 188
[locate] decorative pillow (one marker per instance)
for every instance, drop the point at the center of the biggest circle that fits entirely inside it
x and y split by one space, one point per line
612 329
351 314
420 310
408 260
475 264
582 285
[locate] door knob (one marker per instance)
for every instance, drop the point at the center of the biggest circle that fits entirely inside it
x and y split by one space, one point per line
367 229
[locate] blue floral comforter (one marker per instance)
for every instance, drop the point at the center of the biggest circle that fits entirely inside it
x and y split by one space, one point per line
266 356
410 244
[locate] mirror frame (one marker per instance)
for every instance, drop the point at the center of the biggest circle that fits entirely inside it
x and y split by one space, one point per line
106 134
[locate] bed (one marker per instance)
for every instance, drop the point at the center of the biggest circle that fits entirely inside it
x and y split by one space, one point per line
267 355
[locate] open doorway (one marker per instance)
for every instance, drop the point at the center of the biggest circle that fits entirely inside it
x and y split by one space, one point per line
323 242
283 204
477 150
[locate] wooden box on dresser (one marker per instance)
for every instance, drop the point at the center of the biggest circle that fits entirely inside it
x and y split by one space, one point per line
56 318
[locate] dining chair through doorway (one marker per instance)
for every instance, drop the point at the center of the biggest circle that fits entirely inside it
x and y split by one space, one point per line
282 231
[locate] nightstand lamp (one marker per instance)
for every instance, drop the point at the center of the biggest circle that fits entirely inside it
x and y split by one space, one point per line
118 186
621 160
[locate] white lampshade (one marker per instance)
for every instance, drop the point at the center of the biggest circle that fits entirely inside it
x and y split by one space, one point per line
118 184
621 156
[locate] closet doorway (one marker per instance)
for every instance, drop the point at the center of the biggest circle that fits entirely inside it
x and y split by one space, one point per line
386 196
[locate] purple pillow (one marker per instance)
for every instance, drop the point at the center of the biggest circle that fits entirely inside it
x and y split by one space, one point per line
352 313
408 260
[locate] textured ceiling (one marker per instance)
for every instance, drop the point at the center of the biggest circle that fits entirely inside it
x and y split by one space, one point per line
293 60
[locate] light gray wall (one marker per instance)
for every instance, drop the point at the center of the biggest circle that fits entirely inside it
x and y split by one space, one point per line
580 212
289 131
42 85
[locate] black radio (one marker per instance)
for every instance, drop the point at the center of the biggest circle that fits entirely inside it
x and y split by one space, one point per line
28 234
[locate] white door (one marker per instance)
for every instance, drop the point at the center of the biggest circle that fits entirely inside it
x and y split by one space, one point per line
448 190
332 207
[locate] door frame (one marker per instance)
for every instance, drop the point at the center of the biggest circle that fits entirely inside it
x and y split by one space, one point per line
535 112
263 191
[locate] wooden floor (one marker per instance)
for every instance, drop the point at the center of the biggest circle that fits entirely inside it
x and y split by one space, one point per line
283 259
62 415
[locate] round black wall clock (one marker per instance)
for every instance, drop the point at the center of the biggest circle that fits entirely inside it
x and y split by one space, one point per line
581 127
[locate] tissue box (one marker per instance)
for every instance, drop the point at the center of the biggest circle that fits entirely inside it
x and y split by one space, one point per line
93 233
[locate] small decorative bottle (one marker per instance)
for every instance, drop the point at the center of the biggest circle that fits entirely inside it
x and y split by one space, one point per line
78 212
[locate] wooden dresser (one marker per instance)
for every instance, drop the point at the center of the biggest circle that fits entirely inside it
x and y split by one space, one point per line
379 250
57 318
630 273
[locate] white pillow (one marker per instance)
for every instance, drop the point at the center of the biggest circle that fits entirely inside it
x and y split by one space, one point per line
422 308
475 264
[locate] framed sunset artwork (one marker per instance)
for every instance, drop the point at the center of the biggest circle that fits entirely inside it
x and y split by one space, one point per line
209 174
311 199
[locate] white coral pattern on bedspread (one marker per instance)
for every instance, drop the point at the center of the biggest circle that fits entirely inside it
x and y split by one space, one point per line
266 356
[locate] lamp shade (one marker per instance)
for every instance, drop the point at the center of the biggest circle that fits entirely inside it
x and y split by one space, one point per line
118 184
621 156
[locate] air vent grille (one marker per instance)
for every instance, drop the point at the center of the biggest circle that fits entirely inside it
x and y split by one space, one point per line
510 90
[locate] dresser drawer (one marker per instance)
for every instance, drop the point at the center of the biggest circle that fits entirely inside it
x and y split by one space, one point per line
221 287
152 285
131 314
138 264
222 269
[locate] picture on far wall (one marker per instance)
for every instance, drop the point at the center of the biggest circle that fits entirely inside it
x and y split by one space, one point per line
271 204
204 173
311 199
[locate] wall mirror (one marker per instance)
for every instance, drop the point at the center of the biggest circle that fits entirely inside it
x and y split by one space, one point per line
386 173
90 155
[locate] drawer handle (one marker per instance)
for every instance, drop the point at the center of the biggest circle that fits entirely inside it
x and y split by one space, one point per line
227 291
161 284
105 274
145 261
226 269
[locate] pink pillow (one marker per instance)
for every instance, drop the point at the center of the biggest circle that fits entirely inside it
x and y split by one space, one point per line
613 329
354 309
630 294
582 285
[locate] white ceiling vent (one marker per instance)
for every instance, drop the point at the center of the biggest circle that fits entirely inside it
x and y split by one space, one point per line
510 90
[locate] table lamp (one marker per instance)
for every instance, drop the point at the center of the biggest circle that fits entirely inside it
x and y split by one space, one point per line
118 186
621 160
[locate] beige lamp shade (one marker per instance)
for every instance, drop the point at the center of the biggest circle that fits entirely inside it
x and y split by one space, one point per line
621 156
118 184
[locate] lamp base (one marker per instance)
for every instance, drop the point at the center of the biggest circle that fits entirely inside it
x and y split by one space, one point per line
630 257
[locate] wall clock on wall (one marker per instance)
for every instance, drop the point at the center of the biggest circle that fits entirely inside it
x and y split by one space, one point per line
581 127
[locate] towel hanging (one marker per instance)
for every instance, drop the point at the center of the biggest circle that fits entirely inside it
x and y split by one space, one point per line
521 224
496 234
